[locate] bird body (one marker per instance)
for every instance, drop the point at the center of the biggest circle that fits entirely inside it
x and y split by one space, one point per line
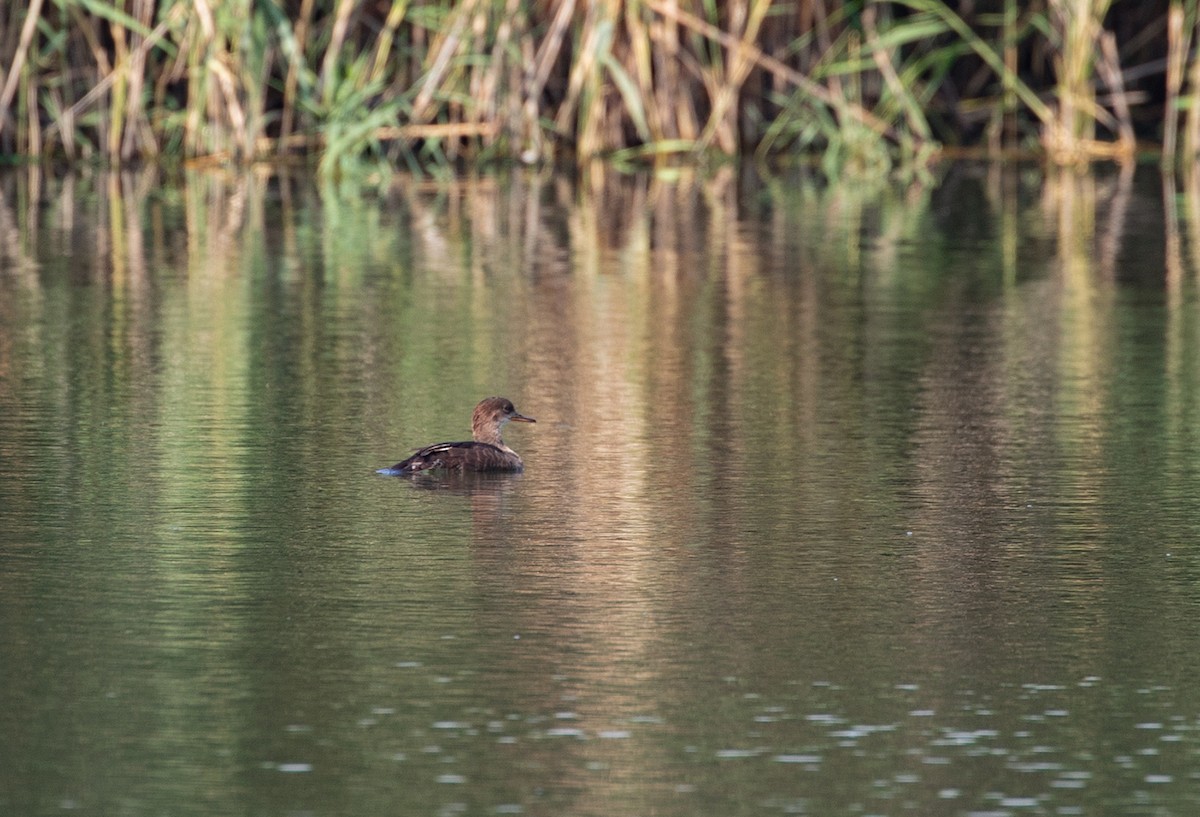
486 452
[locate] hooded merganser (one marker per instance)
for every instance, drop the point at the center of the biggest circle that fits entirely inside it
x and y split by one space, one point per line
487 452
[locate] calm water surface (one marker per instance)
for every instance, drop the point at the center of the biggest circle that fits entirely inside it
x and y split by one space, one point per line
844 500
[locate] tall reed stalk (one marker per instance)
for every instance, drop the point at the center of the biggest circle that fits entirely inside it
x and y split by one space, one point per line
1183 74
1078 24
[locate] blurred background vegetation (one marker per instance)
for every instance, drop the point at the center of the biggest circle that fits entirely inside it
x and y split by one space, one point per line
867 85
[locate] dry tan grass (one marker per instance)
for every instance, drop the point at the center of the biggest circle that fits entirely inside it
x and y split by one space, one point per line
430 83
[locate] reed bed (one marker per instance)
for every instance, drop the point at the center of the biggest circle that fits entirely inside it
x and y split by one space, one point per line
875 85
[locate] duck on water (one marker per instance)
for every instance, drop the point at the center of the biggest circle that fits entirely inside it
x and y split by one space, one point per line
485 452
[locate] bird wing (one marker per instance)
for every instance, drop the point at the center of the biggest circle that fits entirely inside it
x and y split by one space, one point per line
439 455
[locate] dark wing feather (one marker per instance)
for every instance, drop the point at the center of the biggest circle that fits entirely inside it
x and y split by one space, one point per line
464 456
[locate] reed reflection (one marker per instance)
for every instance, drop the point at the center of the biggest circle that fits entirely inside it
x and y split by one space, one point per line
786 433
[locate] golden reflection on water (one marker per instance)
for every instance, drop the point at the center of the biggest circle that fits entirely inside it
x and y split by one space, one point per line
653 323
786 432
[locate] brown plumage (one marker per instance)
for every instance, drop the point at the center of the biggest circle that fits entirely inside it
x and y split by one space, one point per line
486 452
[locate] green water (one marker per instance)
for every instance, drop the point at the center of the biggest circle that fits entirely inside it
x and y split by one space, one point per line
846 500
